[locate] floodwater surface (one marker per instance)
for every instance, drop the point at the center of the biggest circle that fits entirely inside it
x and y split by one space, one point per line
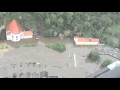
51 58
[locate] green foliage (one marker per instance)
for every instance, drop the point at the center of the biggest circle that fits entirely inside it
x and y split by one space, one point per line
67 33
102 25
57 46
109 41
106 63
14 75
3 34
17 46
53 18
94 56
47 22
29 45
2 47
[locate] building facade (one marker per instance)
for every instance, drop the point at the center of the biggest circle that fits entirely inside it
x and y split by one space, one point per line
14 32
86 41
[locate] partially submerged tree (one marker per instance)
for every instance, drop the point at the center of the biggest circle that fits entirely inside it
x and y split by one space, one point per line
94 56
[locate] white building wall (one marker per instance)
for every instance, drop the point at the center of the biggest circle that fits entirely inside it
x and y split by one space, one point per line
85 43
8 37
15 37
25 37
21 35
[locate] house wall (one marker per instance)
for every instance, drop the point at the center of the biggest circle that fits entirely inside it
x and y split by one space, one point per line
25 37
85 43
15 37
8 37
21 35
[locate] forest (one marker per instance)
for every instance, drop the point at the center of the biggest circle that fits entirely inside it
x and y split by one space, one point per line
84 24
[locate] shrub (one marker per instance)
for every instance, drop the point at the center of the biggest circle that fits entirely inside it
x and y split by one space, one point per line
106 63
14 75
24 45
94 56
6 47
57 46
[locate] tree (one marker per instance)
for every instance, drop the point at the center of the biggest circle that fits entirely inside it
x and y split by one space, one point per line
3 34
109 41
53 18
67 33
94 56
118 36
47 22
60 22
108 31
69 17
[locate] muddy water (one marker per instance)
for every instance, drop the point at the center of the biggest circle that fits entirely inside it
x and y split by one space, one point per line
52 58
44 40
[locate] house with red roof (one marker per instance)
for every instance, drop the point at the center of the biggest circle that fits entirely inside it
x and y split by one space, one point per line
15 32
86 41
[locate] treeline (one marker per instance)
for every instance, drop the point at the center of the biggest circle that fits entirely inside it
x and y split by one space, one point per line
84 24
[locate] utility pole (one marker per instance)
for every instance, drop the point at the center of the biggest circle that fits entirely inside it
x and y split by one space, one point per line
70 59
75 60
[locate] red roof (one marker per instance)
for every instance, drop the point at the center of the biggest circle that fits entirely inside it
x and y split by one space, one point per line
28 33
87 39
14 27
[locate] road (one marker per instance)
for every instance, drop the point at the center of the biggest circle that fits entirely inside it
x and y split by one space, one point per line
104 50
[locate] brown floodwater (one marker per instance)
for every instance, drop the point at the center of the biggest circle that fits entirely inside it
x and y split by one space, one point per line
45 40
50 57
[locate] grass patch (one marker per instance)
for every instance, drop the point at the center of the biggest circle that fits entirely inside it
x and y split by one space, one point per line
17 46
106 63
29 45
2 47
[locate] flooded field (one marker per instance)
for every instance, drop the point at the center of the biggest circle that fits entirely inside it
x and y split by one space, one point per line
45 56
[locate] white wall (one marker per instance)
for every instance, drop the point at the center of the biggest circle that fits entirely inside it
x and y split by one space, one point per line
85 43
15 37
25 37
8 37
21 35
